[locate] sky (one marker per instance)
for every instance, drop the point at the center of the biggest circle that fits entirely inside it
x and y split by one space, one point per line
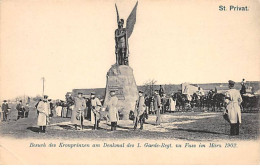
71 43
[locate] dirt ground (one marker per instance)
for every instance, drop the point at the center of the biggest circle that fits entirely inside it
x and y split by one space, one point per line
194 126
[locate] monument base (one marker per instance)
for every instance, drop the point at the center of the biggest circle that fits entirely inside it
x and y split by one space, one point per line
120 78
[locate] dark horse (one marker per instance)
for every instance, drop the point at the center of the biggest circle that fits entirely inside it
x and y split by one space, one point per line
215 100
197 101
218 101
181 100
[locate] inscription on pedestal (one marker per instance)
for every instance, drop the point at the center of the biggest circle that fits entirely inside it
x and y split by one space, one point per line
118 91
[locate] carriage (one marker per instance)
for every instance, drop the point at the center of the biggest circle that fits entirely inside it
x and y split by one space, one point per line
250 103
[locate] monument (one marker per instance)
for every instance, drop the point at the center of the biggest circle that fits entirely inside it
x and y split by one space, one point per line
120 76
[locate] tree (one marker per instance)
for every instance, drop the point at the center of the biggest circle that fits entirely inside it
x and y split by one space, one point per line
149 87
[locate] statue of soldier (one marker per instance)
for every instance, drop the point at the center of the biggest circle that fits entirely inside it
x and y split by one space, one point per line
121 44
121 36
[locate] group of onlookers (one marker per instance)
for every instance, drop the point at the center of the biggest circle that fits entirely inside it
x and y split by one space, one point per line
78 107
23 110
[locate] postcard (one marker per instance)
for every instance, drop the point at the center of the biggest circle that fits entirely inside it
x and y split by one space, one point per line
124 82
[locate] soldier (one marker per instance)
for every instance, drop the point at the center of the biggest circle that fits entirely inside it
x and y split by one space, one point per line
233 100
95 110
20 110
44 114
243 87
151 107
139 112
26 110
113 111
36 105
161 91
157 107
77 116
164 103
121 44
5 110
147 103
52 107
70 103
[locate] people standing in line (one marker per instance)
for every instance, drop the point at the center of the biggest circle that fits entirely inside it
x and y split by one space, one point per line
26 110
140 110
44 114
77 116
157 107
20 109
233 100
113 111
5 110
95 110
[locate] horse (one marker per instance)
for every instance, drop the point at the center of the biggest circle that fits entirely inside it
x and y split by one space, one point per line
218 101
197 101
181 101
209 99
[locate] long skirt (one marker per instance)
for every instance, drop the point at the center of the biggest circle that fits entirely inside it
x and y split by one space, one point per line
58 110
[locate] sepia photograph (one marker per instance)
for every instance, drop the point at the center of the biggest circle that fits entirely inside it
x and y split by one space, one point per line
129 81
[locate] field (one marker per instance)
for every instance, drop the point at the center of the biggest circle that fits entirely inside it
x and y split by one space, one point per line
193 126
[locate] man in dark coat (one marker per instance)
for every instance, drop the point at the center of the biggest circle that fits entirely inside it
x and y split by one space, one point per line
36 105
157 107
20 110
26 110
161 91
164 102
51 107
5 109
70 103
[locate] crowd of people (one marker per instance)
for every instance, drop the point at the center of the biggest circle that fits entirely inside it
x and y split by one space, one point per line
80 108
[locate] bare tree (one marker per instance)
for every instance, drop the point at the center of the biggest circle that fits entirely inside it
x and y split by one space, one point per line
149 87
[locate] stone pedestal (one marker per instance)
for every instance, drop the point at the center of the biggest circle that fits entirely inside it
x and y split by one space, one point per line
120 79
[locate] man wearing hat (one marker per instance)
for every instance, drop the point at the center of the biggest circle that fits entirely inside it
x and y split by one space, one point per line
243 87
44 113
20 110
77 116
5 109
139 111
70 104
157 107
233 100
113 111
95 110
26 110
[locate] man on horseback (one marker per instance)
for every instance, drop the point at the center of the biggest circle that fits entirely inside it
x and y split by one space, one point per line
243 87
